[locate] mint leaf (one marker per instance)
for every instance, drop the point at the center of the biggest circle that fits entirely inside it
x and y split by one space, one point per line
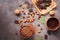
39 38
42 19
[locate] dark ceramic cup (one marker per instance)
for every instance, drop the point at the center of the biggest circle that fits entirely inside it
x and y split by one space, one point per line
53 24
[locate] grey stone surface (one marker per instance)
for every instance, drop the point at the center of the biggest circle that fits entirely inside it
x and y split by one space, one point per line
8 28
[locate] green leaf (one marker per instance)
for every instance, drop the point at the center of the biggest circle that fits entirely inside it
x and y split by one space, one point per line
39 38
42 19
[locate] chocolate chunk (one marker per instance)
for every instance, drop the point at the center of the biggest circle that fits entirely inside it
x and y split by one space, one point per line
30 10
17 15
16 33
45 36
24 13
41 28
23 17
38 25
28 13
16 22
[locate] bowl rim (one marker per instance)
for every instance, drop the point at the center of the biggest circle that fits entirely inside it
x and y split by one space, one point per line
54 28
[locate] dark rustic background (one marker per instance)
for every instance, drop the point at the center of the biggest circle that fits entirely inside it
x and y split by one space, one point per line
8 28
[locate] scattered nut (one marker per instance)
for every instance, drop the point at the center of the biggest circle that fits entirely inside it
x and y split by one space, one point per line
28 16
39 31
17 12
33 15
31 19
45 36
21 25
51 13
20 5
19 22
25 21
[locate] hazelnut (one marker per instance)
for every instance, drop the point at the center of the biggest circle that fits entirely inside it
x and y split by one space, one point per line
19 22
31 19
28 16
33 15
39 31
17 11
51 13
27 20
20 5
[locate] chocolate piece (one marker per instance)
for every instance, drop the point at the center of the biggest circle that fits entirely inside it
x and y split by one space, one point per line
16 22
30 10
23 17
16 33
41 28
17 15
24 13
38 25
45 36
